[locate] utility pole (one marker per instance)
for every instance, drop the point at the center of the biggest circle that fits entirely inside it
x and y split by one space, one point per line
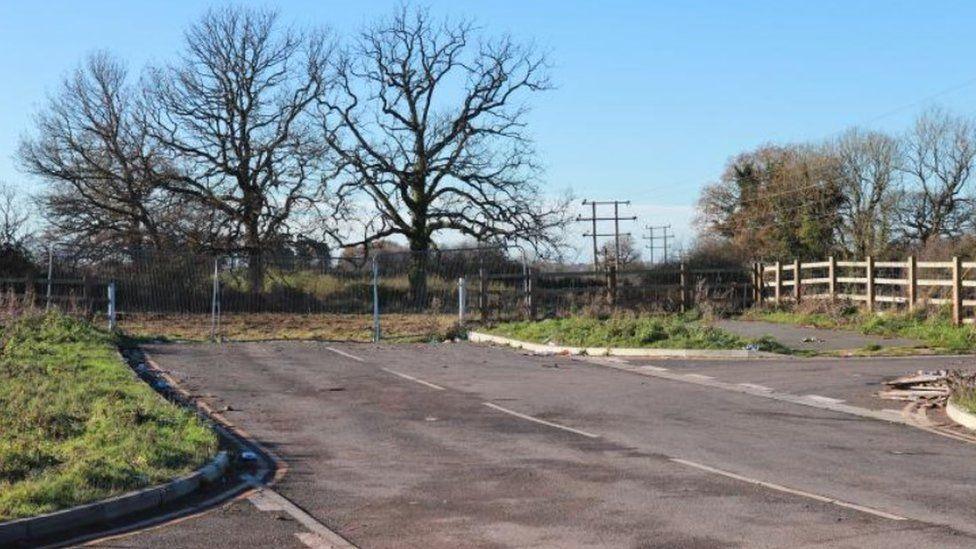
665 234
616 227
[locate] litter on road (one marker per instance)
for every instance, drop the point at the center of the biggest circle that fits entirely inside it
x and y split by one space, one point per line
928 386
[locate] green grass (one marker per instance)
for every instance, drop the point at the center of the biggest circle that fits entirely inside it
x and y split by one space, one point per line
76 425
658 331
933 328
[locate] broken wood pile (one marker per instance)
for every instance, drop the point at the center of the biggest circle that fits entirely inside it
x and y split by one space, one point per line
925 386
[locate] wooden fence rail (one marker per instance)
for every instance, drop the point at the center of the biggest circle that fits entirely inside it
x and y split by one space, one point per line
947 278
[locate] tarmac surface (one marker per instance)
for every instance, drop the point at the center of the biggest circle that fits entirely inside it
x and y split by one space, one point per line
457 445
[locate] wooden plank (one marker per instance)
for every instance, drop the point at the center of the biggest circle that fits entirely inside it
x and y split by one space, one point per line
934 264
933 282
807 281
852 264
891 281
890 265
890 299
853 297
816 265
852 280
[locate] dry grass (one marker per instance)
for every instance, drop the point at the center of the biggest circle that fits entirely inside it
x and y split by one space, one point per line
271 326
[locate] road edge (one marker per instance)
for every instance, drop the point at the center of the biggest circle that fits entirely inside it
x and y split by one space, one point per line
481 337
30 529
960 416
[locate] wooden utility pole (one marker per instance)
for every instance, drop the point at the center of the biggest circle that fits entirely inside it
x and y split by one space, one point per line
616 227
664 234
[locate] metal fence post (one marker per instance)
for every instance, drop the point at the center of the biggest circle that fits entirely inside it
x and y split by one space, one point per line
215 301
112 321
377 335
50 275
462 291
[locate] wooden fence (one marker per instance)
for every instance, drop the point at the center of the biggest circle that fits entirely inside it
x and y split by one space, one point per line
908 283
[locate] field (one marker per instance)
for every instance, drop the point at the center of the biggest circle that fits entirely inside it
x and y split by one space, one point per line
653 331
270 326
76 423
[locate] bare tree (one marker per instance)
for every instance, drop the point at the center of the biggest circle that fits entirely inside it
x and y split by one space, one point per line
104 177
938 164
14 216
868 175
233 118
429 121
629 254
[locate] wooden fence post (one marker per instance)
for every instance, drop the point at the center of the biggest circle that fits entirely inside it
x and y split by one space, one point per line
778 292
797 280
832 276
870 283
956 291
912 276
761 289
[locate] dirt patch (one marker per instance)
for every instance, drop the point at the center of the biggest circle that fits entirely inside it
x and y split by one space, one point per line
270 326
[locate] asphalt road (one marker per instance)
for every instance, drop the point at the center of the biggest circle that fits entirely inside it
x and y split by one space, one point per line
456 445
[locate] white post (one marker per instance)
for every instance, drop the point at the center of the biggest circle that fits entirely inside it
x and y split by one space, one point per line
462 296
377 335
112 323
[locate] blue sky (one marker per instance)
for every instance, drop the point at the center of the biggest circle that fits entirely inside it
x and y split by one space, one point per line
652 97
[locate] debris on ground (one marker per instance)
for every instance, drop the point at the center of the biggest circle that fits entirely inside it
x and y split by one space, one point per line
247 456
811 339
922 386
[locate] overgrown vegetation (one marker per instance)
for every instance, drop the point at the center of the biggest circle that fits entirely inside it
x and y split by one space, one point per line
933 327
962 390
77 425
677 331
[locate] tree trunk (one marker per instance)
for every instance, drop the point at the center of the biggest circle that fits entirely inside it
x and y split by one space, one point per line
419 252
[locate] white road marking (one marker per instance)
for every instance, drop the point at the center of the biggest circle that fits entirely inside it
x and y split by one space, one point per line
781 488
345 354
415 380
652 368
540 421
315 541
755 386
821 398
763 393
272 500
699 376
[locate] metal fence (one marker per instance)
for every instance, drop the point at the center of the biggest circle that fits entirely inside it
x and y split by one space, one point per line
386 295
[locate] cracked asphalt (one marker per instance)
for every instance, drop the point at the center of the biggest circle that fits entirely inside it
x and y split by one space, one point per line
389 461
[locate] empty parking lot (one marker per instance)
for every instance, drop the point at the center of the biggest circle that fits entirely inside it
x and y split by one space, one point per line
457 445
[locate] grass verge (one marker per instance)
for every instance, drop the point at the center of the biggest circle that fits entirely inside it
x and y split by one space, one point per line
658 331
933 328
76 423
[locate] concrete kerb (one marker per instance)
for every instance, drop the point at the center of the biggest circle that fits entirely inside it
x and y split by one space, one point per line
960 416
480 337
42 526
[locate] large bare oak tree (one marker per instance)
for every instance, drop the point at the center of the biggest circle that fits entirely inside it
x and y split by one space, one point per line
104 175
429 121
233 116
